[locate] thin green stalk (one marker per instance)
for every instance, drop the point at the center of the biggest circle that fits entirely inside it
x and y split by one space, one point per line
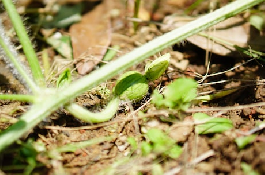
136 13
52 102
12 55
25 42
18 97
193 6
46 62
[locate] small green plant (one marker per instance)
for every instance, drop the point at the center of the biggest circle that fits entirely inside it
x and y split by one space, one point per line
46 100
161 144
158 143
177 95
133 85
243 141
209 125
258 21
247 169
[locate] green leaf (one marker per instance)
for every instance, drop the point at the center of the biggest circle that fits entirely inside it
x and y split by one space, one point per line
245 140
157 98
131 85
154 70
64 78
161 141
181 90
174 152
111 52
258 21
65 16
248 169
163 144
211 125
146 148
178 94
132 142
250 52
157 169
72 147
62 44
156 135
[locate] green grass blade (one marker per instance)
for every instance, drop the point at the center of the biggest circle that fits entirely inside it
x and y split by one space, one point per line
10 56
25 42
18 97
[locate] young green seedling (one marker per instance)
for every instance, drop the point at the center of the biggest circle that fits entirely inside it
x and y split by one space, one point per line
154 70
245 140
131 85
210 125
134 86
160 143
177 95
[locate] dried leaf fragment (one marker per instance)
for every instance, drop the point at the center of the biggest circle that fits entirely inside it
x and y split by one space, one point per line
91 37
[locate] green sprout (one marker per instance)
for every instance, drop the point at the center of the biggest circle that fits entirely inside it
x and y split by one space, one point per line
160 143
177 95
247 169
258 21
245 140
134 86
208 125
157 142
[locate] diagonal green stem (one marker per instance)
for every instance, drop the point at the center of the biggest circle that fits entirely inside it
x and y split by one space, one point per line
52 102
25 42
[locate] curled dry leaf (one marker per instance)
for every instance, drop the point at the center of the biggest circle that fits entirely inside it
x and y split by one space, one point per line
235 30
91 37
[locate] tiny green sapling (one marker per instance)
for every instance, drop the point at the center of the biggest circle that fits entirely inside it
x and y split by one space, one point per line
131 85
134 86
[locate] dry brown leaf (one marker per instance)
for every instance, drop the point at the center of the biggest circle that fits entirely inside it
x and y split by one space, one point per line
181 3
235 30
91 37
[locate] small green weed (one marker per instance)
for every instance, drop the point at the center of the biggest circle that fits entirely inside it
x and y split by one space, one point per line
245 140
134 86
209 125
177 95
248 170
161 144
158 143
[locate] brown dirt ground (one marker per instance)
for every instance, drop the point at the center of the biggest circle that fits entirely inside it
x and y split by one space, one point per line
223 155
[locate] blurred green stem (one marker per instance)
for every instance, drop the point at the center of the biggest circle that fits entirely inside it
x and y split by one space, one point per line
136 13
25 42
19 97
